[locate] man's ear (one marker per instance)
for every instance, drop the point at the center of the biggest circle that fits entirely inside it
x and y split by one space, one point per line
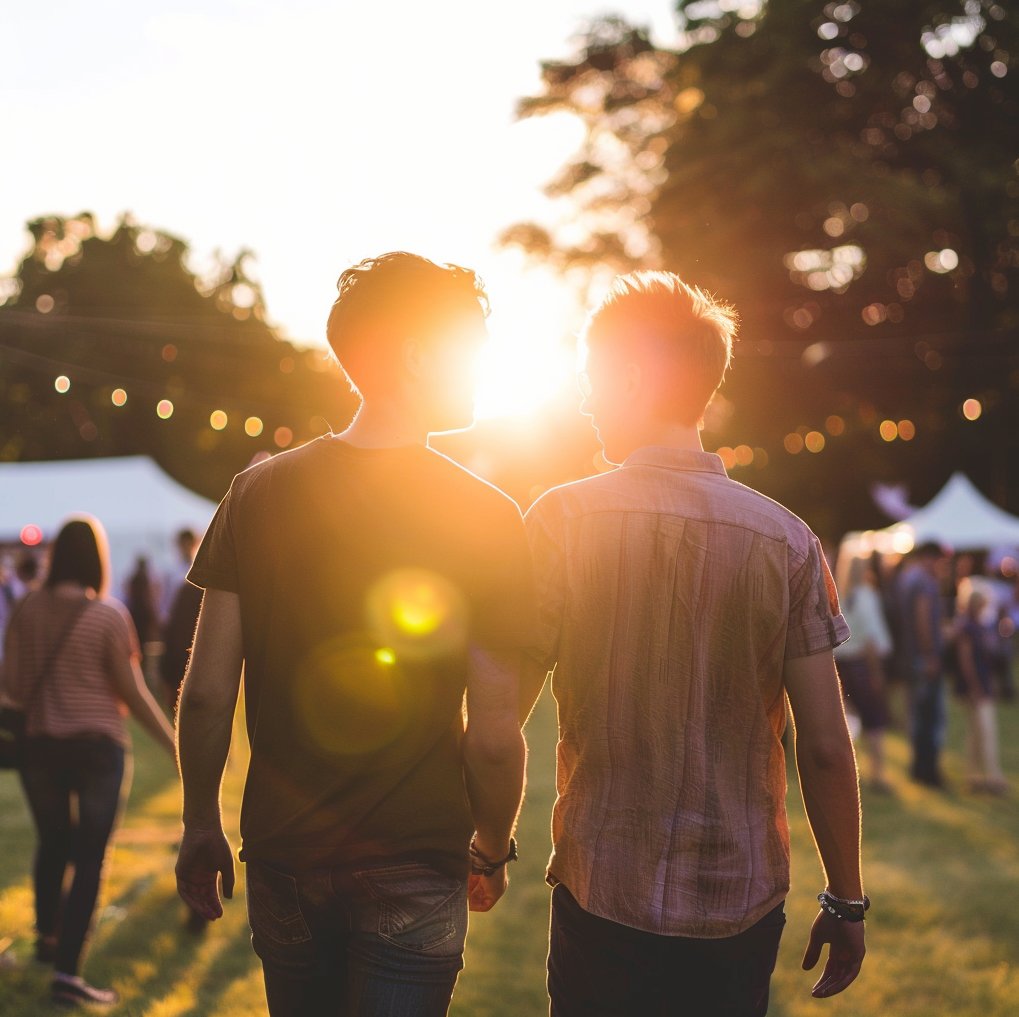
413 357
633 380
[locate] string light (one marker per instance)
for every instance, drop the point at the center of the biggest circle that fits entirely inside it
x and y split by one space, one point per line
218 420
253 427
164 409
118 397
972 409
62 384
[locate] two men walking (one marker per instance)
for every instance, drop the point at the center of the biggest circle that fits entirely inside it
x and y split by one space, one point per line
382 604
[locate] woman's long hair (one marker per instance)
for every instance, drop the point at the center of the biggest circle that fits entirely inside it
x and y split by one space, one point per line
81 554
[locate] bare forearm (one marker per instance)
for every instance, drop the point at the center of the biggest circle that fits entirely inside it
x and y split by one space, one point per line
495 784
203 743
146 711
831 797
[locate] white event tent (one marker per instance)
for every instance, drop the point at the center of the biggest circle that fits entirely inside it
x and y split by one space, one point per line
139 505
958 517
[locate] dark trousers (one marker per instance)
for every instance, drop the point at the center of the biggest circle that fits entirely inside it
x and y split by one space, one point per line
56 772
928 721
385 941
598 968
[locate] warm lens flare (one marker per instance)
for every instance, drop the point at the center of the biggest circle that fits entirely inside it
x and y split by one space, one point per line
415 614
529 357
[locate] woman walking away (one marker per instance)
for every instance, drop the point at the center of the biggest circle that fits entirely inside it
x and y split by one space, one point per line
71 662
862 660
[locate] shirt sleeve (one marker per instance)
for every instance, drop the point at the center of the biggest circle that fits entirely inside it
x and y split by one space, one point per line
215 564
815 620
505 617
548 554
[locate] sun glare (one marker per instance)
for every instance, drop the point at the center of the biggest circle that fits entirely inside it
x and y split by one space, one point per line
528 358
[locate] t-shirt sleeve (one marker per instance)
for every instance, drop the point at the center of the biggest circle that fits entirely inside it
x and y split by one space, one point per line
815 620
548 554
505 616
215 564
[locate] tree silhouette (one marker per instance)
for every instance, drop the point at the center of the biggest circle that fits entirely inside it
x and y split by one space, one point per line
846 174
124 323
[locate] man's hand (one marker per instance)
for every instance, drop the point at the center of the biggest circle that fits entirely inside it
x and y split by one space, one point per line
205 861
845 953
484 891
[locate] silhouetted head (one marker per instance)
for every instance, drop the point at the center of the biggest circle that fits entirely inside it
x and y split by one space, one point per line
187 543
656 351
405 328
80 554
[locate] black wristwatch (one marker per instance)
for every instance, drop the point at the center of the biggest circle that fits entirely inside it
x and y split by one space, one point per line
845 910
483 866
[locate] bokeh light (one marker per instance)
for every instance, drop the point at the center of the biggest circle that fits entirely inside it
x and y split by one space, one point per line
31 535
888 430
218 420
835 425
283 436
164 409
253 427
907 430
351 697
743 454
62 384
793 443
118 397
972 409
814 441
728 457
418 614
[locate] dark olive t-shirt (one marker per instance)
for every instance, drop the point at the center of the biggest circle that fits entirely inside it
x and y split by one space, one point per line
364 575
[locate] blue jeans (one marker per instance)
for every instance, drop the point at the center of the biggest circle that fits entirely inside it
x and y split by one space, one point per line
385 941
598 968
54 773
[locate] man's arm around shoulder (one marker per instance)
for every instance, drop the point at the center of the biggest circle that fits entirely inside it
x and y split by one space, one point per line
828 781
204 728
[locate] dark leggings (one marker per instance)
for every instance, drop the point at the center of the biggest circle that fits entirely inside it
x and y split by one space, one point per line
54 773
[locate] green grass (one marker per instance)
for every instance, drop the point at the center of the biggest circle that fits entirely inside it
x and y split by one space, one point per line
943 937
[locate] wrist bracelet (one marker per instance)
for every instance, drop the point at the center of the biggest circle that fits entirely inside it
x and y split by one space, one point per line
845 910
484 866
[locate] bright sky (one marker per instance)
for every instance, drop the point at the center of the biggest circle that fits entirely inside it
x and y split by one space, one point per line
313 132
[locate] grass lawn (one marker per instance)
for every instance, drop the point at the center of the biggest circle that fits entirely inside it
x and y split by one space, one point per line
943 870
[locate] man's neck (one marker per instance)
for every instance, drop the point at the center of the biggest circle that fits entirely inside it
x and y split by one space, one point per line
381 424
675 436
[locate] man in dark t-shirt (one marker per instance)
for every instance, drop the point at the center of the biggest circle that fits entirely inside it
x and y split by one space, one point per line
366 583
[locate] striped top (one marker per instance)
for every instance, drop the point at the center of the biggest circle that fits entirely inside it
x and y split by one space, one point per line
670 598
78 696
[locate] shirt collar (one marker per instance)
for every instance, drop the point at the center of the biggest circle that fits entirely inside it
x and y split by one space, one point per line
676 459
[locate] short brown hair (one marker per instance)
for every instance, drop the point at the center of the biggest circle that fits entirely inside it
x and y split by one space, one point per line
392 297
693 329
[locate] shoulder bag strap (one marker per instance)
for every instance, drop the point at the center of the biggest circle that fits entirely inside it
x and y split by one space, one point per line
79 610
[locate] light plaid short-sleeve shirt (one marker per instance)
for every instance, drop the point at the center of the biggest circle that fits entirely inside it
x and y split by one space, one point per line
670 597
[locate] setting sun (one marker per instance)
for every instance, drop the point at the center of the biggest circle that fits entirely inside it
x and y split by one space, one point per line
529 356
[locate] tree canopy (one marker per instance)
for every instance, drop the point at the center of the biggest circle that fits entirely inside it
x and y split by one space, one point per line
846 174
112 345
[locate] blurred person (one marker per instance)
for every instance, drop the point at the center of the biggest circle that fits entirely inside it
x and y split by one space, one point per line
185 543
73 665
679 610
921 615
862 660
142 597
366 583
1004 606
975 685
